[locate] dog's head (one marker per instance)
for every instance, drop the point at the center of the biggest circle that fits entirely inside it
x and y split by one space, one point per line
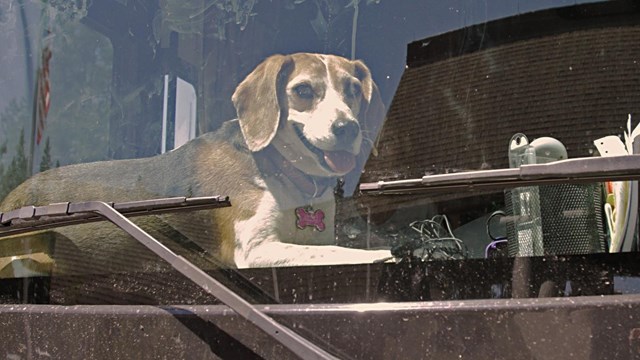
321 112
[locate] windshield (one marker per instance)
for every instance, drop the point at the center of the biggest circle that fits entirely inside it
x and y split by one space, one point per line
293 109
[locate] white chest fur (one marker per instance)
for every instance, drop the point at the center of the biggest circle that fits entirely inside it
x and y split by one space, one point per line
301 219
276 220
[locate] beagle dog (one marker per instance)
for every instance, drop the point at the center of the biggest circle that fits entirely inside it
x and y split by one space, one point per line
304 122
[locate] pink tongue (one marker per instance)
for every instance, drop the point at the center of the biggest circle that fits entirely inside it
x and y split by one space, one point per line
340 161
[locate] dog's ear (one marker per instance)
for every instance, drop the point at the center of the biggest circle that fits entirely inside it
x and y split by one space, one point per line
372 116
257 101
373 109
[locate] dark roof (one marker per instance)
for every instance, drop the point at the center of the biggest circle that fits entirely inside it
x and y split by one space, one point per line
575 78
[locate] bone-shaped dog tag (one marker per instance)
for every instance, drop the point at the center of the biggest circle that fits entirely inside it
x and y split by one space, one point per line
308 217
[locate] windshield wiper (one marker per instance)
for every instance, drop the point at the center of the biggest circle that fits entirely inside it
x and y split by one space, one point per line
581 170
32 218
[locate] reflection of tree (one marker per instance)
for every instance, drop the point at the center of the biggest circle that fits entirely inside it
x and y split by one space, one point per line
45 163
80 94
186 17
8 16
63 10
16 172
13 155
332 11
76 128
15 116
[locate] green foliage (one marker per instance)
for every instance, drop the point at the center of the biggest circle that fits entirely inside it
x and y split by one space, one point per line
13 157
81 75
17 172
45 163
3 151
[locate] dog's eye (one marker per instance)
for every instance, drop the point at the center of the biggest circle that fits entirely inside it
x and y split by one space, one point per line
304 91
354 89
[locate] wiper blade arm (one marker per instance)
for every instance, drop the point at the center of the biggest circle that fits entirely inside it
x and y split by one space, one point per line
33 218
581 170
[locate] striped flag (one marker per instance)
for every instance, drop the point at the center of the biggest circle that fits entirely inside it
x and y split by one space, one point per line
43 96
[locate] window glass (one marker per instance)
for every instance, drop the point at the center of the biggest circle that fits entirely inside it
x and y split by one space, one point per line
331 126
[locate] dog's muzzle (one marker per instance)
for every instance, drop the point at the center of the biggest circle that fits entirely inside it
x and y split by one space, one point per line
339 161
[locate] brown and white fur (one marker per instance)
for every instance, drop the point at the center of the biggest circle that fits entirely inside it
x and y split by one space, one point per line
304 120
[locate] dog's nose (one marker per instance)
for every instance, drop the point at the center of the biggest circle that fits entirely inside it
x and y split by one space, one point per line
345 130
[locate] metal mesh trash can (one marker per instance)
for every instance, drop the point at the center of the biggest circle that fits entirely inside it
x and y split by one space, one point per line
570 221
